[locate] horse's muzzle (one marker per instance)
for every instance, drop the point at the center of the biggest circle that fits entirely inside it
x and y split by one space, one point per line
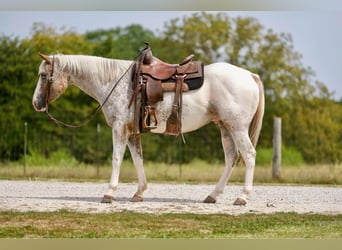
39 104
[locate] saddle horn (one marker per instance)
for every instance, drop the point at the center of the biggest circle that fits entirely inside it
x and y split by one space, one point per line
45 58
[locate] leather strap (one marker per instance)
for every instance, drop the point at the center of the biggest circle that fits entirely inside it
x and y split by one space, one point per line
174 123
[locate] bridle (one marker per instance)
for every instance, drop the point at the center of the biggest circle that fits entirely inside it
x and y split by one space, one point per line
50 80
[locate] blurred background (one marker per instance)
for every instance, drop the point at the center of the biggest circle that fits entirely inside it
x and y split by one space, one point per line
296 54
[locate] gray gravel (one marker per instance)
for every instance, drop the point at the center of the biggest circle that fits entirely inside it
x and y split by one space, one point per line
166 198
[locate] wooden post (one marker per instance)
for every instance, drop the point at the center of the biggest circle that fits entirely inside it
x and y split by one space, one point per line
276 161
25 147
180 157
98 130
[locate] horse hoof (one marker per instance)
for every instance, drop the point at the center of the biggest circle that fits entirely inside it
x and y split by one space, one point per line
240 202
209 199
107 199
137 198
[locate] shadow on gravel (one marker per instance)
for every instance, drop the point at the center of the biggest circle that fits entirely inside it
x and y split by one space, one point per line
165 200
117 199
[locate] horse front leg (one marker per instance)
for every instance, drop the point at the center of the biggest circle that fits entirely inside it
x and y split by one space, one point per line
119 145
134 145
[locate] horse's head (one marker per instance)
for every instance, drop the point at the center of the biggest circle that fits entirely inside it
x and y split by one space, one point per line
51 84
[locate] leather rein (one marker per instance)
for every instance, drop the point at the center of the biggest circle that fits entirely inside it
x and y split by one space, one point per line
92 115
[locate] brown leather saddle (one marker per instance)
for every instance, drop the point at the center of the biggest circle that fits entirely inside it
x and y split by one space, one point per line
152 77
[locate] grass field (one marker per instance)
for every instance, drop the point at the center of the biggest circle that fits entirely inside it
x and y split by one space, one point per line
65 224
195 172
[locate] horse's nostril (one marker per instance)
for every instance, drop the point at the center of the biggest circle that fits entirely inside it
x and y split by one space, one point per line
38 106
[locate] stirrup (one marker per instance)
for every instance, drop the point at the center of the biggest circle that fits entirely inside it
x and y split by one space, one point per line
145 120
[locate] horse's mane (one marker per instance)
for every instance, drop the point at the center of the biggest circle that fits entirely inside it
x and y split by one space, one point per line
92 67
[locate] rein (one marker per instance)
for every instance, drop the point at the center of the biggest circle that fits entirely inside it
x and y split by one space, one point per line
96 110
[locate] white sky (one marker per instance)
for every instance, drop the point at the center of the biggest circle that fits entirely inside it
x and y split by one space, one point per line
316 34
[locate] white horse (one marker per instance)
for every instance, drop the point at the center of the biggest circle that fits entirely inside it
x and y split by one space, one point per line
230 96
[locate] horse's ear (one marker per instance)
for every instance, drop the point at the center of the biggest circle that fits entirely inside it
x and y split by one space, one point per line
45 58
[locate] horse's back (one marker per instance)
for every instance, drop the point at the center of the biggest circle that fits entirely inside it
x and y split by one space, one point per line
228 73
232 82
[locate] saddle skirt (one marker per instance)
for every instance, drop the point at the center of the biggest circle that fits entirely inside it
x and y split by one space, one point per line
151 77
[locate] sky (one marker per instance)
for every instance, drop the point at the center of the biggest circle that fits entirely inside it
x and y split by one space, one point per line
316 34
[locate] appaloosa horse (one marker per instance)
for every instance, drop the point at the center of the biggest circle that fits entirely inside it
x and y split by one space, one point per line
230 96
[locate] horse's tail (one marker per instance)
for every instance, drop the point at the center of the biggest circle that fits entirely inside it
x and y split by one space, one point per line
256 124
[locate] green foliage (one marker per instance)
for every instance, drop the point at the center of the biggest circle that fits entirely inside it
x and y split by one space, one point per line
204 35
289 157
311 119
290 88
59 158
16 71
120 43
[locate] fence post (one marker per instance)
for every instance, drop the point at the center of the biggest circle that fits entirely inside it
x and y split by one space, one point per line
98 130
180 157
25 147
276 161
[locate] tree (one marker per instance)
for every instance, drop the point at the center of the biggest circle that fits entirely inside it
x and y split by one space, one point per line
312 120
202 34
120 43
290 89
15 74
18 74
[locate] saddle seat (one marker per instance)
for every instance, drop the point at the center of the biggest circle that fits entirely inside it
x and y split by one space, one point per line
161 70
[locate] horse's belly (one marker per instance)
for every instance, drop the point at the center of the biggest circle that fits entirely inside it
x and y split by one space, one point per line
189 123
194 114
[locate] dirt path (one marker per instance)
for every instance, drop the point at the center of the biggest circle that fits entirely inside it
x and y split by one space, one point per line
166 198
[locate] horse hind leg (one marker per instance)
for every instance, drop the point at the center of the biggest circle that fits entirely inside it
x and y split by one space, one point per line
231 157
248 154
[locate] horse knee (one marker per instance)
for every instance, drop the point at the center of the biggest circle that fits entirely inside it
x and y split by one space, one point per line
249 159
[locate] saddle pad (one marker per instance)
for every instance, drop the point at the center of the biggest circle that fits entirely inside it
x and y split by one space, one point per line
193 82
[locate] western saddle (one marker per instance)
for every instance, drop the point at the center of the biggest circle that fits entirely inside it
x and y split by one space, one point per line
152 77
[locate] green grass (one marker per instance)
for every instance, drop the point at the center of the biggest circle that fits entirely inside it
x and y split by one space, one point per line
194 172
63 166
65 224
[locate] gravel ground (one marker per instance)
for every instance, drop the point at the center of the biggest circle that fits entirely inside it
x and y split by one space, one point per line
166 198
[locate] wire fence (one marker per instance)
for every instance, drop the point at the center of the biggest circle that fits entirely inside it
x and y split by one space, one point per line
93 144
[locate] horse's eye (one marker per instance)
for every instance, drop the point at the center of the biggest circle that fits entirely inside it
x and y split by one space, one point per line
43 76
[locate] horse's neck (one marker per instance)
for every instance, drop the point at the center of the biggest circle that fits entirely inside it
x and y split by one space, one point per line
95 75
